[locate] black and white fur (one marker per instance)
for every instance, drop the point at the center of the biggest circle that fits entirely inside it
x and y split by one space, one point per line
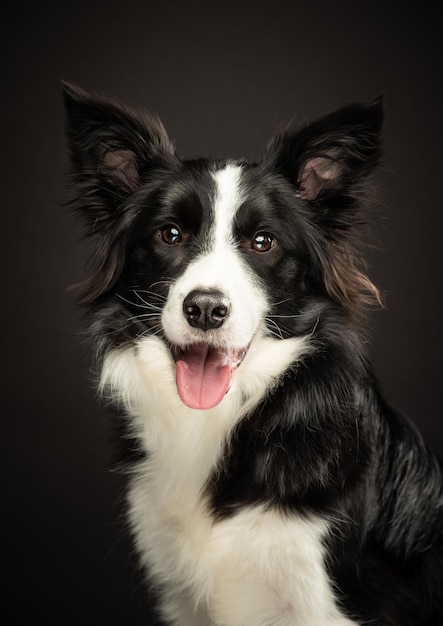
298 497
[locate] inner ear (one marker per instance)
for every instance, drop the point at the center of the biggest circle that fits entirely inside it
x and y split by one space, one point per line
318 174
121 166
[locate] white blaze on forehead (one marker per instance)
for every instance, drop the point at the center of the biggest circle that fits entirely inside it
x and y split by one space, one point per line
220 266
227 200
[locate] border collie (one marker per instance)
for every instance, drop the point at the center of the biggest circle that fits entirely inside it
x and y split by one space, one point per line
270 483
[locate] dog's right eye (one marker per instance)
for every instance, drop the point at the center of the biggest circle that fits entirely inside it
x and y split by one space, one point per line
170 234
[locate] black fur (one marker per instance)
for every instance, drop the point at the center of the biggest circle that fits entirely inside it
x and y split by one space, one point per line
324 440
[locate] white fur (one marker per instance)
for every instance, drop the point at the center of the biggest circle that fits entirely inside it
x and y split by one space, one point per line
259 567
228 199
268 571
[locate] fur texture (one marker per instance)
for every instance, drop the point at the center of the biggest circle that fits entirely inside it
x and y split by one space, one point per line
270 483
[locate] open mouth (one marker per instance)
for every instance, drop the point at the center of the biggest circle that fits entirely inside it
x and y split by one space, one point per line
204 372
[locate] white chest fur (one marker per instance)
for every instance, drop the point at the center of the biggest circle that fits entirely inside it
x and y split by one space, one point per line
257 568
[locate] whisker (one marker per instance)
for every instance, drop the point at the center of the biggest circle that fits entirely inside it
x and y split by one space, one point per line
317 321
149 305
280 302
141 317
278 332
128 301
154 330
166 281
287 316
153 294
136 292
145 304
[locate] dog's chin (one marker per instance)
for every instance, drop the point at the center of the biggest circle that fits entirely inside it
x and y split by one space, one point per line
204 372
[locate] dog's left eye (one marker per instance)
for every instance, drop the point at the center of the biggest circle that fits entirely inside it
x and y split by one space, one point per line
170 234
262 242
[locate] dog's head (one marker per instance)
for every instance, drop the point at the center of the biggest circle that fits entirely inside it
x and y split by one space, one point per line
212 256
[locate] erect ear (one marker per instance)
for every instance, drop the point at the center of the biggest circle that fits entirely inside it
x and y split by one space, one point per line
332 155
111 147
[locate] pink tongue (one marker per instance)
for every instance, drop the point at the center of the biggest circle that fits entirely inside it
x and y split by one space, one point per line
203 377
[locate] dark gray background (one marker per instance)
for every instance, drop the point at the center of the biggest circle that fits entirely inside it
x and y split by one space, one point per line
222 76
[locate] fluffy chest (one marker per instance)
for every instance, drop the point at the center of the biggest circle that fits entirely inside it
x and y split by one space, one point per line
258 567
253 569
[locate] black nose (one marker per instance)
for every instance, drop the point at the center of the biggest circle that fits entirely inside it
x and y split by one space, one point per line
206 309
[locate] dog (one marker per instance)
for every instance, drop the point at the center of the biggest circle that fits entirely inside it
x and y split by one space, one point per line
270 483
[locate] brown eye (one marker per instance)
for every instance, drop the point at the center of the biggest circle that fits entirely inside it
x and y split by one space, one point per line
170 234
262 242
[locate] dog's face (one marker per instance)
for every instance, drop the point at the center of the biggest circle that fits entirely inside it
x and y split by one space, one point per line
219 247
213 257
216 305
